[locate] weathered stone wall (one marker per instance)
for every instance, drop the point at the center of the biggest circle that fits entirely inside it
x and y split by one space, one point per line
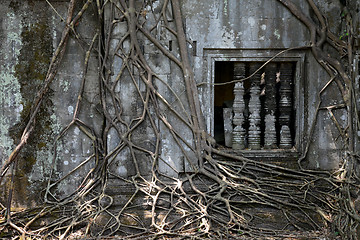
27 46
263 26
31 31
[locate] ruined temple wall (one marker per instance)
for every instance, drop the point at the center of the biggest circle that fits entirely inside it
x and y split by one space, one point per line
31 30
229 30
253 29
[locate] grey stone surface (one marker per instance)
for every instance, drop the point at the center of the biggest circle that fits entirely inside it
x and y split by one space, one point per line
228 128
223 30
31 31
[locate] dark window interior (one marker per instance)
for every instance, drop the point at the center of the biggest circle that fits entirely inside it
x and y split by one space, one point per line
224 98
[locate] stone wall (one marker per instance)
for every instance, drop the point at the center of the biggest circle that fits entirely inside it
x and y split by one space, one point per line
228 29
30 33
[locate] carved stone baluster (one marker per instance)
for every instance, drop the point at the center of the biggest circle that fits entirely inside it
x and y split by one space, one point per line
238 141
285 104
270 106
228 126
254 108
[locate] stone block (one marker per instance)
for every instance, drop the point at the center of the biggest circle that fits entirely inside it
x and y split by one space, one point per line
120 29
158 63
121 163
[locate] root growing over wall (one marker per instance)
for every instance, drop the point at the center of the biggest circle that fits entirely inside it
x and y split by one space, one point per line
217 197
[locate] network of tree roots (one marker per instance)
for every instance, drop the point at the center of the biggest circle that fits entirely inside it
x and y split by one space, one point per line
222 196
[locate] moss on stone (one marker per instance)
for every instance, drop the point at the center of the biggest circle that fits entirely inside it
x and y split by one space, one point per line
30 71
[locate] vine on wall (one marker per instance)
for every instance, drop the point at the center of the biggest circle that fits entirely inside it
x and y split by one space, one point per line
215 198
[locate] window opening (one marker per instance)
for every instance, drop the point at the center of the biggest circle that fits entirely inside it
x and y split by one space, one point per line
223 97
257 113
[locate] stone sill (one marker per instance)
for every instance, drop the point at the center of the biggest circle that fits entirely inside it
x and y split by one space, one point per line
265 153
280 157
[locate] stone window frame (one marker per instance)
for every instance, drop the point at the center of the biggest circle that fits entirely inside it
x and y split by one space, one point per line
260 55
